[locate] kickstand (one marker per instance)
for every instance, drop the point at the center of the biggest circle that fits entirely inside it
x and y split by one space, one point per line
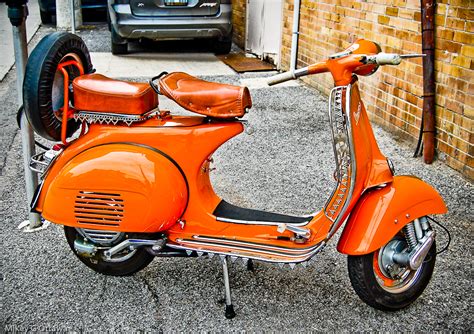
250 266
229 308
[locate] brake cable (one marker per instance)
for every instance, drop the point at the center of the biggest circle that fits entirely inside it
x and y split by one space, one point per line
445 248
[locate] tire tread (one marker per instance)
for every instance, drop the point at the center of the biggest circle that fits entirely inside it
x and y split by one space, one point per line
362 277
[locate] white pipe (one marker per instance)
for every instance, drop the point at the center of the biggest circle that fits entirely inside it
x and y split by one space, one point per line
294 38
73 17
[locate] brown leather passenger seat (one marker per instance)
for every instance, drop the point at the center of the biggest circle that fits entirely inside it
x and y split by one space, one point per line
204 97
98 93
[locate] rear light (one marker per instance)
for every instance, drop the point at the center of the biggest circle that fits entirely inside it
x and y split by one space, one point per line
57 147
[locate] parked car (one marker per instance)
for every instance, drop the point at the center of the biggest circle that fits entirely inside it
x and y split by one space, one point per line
170 20
48 8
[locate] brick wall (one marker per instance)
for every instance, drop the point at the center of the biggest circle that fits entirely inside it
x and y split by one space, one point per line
239 8
393 95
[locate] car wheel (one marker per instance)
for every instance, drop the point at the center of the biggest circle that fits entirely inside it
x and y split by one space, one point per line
46 18
109 24
223 46
119 44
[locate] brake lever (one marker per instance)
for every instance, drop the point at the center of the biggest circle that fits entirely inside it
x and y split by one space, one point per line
413 55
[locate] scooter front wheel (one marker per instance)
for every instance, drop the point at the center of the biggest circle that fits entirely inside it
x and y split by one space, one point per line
389 287
125 264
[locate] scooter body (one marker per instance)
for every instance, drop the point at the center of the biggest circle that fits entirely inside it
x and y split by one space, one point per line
153 175
152 178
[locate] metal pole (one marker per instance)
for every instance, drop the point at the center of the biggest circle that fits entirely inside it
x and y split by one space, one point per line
73 18
294 38
428 10
17 12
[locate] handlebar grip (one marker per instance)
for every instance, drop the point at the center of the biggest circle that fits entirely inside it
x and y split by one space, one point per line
282 77
388 59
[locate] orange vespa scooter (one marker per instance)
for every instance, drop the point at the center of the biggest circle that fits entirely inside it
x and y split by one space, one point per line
134 183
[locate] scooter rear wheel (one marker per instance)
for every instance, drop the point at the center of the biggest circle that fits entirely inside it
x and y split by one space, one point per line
389 291
124 265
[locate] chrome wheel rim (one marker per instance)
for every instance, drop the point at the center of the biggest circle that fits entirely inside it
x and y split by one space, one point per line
390 276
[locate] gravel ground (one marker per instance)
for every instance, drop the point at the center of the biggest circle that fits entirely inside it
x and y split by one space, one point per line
285 166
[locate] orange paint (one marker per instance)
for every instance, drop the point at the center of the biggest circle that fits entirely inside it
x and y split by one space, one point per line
66 112
381 213
122 187
154 177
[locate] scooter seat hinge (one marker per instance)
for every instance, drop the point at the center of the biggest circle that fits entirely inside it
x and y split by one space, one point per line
299 232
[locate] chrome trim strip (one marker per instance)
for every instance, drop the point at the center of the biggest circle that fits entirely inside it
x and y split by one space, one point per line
242 248
253 222
333 134
114 118
317 250
254 245
353 162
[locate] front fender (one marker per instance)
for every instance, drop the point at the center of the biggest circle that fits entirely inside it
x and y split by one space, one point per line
382 212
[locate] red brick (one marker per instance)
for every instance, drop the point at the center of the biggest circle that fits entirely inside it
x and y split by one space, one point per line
391 11
393 95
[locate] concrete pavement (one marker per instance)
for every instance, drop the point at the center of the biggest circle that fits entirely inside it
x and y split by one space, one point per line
285 166
7 55
142 64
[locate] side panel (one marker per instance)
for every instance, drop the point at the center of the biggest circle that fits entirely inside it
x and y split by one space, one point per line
381 213
187 140
118 187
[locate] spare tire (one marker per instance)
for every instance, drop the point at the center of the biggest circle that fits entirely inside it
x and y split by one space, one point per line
43 83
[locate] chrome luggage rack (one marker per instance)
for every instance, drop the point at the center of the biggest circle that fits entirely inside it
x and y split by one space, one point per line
112 118
41 162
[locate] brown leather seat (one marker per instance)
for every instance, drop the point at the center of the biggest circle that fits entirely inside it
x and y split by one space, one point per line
204 97
96 92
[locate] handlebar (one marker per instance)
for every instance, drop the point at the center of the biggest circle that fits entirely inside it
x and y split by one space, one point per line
321 67
286 76
282 77
388 58
384 59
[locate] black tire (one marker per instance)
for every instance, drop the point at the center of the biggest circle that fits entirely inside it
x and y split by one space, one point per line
39 79
223 46
369 289
46 18
119 45
109 23
138 261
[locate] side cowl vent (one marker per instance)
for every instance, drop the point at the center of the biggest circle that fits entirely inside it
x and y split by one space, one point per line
98 208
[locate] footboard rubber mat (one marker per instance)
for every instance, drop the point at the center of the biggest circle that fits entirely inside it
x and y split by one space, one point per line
230 211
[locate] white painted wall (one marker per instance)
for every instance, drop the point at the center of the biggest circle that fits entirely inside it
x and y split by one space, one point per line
264 19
